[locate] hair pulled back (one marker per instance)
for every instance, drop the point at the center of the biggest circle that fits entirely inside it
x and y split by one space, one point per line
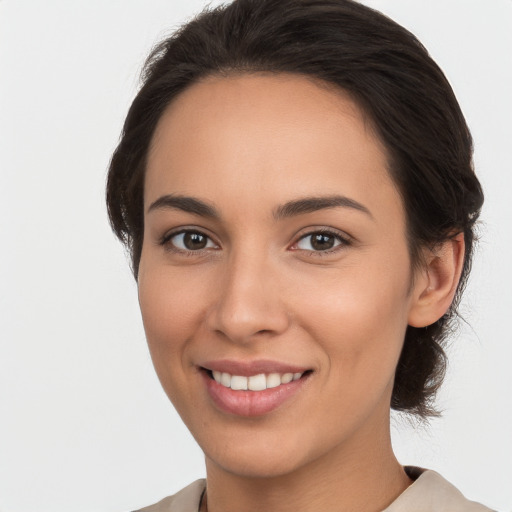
387 72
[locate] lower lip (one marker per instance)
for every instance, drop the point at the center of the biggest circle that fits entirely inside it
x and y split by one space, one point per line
251 403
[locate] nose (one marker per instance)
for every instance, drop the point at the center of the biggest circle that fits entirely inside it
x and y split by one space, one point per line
248 303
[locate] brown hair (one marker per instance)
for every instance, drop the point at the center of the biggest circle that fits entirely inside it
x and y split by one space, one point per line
388 73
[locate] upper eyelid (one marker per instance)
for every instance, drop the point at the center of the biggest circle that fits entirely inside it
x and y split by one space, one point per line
343 235
186 229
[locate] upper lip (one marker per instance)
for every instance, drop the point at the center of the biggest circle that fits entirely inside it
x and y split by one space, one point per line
248 368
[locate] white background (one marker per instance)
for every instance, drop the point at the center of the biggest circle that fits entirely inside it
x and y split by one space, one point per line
84 425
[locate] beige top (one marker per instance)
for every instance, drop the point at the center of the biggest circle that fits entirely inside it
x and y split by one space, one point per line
430 492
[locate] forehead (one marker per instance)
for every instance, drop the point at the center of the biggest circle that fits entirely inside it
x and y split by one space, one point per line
278 134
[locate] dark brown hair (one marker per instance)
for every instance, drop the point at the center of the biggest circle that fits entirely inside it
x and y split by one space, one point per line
387 72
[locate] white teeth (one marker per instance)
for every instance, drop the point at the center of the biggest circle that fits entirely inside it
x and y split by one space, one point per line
273 380
254 382
257 382
225 379
287 377
238 382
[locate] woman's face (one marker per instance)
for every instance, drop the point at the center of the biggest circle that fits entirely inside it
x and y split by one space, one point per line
274 244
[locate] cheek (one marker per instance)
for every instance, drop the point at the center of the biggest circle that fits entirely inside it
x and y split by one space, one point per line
360 318
171 305
171 311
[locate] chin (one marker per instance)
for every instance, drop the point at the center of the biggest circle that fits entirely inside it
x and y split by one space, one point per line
263 454
260 466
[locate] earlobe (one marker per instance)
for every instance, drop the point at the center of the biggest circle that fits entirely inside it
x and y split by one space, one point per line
437 282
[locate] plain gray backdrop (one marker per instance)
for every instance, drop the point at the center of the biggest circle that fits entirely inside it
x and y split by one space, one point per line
84 424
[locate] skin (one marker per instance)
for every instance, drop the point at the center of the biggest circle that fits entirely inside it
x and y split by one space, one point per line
246 145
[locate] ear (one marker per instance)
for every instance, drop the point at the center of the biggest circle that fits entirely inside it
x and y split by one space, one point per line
436 283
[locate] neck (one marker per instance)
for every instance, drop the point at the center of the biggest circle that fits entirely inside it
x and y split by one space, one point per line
364 477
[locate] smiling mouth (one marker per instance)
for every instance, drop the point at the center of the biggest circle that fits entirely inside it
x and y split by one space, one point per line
257 382
252 395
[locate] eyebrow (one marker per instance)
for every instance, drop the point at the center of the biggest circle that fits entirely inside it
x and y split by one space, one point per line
286 210
186 204
313 204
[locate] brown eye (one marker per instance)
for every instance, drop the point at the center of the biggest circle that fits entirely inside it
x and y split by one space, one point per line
320 241
190 241
194 241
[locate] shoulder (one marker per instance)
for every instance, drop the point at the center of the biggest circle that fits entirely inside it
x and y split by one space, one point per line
432 493
429 493
186 500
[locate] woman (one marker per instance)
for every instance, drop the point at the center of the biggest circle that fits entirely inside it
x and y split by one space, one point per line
295 186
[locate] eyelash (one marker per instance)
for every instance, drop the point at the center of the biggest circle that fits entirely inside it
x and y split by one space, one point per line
343 241
165 241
